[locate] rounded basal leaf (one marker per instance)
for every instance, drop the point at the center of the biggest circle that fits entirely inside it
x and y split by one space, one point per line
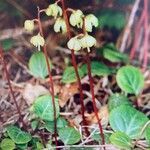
115 56
39 146
69 75
17 135
130 79
108 17
43 107
22 146
97 68
128 120
116 100
147 135
121 140
7 144
69 135
61 123
38 65
34 124
96 136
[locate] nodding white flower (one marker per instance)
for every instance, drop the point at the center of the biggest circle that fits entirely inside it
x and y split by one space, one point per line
37 41
87 41
76 18
74 44
60 25
90 21
29 25
54 10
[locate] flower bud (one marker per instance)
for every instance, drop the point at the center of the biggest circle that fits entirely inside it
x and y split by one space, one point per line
87 41
76 18
60 25
29 25
90 21
37 41
74 44
54 10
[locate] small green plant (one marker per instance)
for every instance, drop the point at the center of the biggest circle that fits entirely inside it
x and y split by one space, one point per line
47 124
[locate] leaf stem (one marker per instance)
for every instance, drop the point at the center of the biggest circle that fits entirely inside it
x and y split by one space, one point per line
51 90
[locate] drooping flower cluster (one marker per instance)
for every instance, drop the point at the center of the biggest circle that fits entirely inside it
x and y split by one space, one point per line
38 41
53 10
81 41
76 19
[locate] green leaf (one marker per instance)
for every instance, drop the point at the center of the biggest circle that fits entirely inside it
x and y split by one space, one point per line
39 146
7 144
130 79
38 65
69 75
61 123
22 146
147 135
115 56
43 107
69 135
116 100
7 44
124 1
111 18
34 124
97 68
121 140
17 135
97 137
128 120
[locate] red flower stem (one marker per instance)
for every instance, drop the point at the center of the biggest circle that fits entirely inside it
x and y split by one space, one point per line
10 87
146 35
50 79
88 61
75 67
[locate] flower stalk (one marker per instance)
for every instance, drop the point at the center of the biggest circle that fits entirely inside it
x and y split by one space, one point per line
88 62
50 77
10 87
75 66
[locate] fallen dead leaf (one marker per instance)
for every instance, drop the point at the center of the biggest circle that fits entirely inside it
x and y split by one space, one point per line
66 93
103 115
31 92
